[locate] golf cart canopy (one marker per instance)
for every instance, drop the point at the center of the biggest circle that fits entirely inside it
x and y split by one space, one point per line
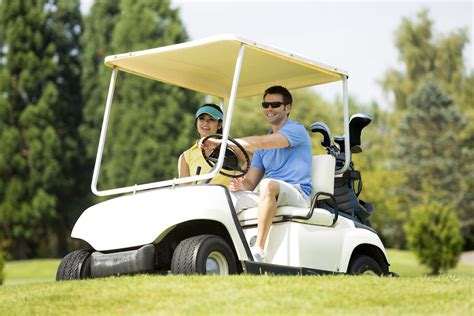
224 66
208 66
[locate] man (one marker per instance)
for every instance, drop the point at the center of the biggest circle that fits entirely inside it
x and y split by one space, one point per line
284 157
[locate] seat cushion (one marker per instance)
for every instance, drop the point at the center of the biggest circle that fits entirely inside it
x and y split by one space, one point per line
320 216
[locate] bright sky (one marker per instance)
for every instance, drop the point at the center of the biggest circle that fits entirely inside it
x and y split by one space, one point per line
357 36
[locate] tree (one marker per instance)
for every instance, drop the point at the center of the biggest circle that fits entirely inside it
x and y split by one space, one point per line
66 22
96 40
433 233
428 146
39 100
430 151
441 59
424 55
151 122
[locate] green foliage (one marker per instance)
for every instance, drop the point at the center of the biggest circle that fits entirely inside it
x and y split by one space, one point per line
430 150
151 122
429 146
96 40
381 187
423 55
433 233
435 137
40 111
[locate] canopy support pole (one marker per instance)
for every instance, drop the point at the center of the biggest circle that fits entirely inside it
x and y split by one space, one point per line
347 150
230 108
103 132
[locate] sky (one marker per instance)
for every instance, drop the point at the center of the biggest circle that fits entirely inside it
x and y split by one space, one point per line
357 36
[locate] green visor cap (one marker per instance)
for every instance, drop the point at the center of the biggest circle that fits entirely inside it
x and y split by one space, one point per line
215 113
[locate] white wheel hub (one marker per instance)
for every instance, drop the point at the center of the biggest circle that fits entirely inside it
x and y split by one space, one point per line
216 263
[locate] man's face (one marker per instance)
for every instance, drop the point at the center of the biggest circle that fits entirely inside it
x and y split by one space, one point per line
275 116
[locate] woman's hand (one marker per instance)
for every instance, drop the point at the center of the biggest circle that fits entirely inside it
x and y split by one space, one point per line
209 145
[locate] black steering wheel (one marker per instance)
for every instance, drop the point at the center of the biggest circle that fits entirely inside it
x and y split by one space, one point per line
231 158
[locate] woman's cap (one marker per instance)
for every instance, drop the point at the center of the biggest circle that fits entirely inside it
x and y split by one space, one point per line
212 111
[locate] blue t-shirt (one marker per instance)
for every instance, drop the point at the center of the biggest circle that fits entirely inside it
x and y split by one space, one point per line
291 164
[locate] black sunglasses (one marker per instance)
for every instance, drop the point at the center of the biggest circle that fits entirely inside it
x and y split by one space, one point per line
273 105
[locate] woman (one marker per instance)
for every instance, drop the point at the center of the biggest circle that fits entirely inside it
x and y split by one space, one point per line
191 162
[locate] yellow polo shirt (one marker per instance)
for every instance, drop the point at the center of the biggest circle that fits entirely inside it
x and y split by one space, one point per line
194 159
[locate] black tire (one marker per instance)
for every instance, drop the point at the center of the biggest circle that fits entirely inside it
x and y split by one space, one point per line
203 254
364 265
75 266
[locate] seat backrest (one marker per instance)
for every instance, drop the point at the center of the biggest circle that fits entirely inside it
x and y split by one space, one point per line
323 174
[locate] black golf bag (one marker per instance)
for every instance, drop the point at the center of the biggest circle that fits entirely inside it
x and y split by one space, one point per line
347 186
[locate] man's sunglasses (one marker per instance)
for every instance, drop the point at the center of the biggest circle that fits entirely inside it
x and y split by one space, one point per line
273 105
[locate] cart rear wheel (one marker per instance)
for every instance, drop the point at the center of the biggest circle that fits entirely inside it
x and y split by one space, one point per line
203 254
364 265
75 266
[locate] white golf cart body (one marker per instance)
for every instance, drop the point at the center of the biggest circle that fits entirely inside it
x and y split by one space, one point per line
301 240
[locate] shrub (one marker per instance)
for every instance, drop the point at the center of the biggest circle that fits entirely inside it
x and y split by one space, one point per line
433 233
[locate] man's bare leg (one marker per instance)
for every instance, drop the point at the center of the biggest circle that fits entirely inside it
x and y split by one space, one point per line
269 190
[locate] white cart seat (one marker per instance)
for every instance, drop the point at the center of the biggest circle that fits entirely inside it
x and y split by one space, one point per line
320 216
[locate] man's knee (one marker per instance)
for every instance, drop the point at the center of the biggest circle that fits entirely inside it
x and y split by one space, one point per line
269 187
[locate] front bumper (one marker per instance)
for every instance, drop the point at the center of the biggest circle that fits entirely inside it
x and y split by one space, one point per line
125 262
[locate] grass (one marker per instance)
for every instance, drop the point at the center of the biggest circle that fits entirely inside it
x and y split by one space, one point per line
30 289
31 271
406 265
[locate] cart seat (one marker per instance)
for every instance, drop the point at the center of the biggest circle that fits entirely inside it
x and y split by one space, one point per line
320 216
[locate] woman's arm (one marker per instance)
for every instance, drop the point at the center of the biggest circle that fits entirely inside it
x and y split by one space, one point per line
183 168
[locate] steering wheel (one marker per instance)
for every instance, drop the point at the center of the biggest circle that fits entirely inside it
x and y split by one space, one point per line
231 159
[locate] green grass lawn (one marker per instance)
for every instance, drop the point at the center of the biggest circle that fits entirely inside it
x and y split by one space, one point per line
406 265
31 271
30 289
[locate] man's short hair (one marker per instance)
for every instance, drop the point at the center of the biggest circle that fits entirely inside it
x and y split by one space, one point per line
287 98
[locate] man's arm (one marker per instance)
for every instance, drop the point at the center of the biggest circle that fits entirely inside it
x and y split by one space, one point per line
252 143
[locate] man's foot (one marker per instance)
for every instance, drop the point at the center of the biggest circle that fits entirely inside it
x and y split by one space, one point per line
258 254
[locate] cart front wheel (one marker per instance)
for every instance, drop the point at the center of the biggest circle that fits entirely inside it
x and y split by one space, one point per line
75 266
203 254
364 265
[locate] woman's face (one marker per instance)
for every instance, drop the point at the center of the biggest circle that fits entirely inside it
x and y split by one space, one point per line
207 125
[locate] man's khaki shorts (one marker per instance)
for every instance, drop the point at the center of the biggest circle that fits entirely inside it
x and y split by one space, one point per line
290 195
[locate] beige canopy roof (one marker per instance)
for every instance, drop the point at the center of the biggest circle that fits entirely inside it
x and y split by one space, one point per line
208 66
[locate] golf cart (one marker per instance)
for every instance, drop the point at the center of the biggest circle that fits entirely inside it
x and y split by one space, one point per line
173 227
